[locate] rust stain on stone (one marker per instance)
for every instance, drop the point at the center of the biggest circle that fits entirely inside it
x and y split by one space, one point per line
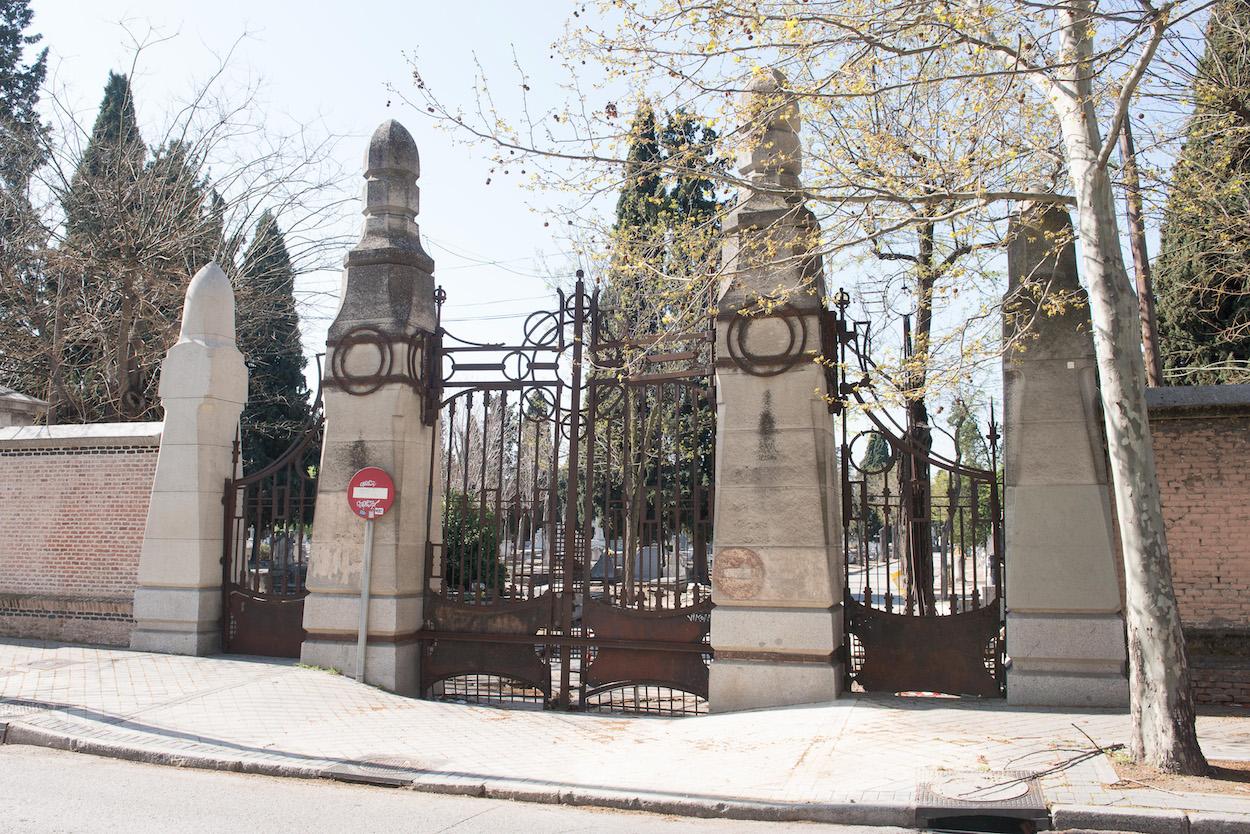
738 573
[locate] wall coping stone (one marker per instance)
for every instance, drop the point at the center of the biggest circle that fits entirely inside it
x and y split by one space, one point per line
1181 401
85 436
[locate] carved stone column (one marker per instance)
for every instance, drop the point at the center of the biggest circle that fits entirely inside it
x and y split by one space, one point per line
377 415
777 577
1065 623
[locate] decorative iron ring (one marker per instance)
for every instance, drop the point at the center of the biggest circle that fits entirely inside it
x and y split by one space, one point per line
547 338
360 385
889 462
767 364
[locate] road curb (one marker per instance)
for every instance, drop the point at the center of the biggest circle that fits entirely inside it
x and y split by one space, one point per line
1064 818
1146 820
852 813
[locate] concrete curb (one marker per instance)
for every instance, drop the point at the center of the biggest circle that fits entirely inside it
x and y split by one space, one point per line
854 813
1064 818
1146 820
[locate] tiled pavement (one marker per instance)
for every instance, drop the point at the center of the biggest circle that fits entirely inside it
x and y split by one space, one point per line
262 714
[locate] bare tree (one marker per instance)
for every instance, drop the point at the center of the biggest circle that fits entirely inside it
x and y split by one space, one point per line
120 225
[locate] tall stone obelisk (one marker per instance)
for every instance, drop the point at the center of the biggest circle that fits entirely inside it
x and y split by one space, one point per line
1065 622
203 388
374 418
777 577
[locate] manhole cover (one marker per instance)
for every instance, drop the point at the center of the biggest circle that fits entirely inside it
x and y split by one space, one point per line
979 787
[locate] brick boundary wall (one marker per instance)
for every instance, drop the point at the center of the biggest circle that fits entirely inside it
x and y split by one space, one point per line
1201 438
73 506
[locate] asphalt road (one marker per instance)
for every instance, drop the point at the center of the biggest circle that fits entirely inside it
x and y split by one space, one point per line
50 791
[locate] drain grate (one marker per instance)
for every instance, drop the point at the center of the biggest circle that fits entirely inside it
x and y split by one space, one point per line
391 771
10 709
981 801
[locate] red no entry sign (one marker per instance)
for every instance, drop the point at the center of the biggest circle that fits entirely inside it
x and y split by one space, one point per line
370 492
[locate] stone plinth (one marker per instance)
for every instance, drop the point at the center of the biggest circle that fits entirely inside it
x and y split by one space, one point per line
374 418
777 576
1065 624
203 389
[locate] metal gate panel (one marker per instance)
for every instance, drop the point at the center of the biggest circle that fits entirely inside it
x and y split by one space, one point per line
536 591
924 571
267 535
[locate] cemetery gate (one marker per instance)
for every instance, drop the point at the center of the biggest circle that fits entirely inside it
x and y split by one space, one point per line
575 487
922 534
267 538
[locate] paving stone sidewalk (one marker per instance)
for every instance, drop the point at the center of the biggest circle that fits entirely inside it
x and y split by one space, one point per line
857 759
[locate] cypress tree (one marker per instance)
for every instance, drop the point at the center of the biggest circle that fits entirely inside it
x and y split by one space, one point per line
102 189
665 215
277 409
26 295
20 127
1202 274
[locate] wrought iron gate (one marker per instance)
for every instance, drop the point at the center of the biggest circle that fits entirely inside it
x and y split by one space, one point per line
576 498
922 533
268 532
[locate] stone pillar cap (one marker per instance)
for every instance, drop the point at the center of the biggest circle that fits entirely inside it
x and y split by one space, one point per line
208 312
392 148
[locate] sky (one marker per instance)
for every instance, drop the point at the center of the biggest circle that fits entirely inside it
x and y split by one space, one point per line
327 66
339 70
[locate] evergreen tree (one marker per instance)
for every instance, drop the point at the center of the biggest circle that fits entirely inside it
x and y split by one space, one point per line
21 131
663 240
1202 274
103 188
665 226
138 225
277 409
98 264
26 295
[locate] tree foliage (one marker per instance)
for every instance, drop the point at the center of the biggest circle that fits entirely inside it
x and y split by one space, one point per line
471 545
665 234
24 286
277 410
1202 274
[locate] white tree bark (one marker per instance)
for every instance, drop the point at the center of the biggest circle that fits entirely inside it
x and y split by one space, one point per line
1164 734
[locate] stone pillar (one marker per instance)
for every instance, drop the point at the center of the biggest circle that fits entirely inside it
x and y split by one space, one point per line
777 577
1065 624
203 388
373 410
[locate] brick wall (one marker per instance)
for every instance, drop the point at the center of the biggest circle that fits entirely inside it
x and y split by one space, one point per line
73 504
1201 439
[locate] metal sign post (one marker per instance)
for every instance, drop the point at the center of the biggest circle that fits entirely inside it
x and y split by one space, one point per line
370 493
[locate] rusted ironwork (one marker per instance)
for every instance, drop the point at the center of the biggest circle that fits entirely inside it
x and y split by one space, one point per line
575 503
268 518
924 567
795 349
367 357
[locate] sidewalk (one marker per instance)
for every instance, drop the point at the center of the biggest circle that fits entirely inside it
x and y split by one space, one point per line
856 760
